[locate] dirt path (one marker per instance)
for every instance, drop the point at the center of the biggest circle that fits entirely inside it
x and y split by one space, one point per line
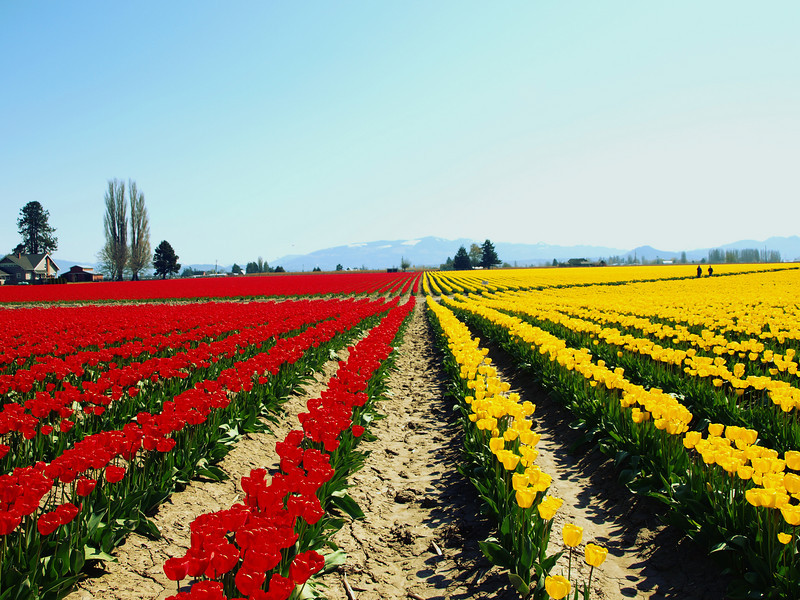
422 526
138 574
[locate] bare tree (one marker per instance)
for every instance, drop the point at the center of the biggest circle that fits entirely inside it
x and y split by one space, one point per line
140 253
114 255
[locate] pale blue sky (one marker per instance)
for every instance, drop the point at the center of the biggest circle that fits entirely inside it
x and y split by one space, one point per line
266 128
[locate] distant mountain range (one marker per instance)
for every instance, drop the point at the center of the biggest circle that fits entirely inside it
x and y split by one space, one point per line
433 251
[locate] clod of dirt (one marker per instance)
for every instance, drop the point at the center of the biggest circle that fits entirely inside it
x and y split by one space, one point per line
406 496
428 502
456 534
402 533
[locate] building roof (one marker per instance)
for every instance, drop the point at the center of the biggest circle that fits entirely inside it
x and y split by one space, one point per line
29 262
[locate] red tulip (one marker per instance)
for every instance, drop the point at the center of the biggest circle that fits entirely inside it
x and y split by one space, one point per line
176 568
279 588
8 522
247 582
305 565
114 473
48 523
85 486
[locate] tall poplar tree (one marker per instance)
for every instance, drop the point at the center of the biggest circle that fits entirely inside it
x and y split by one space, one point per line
114 255
37 235
140 252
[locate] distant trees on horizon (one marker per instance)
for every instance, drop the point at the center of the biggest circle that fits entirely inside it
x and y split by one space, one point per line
484 256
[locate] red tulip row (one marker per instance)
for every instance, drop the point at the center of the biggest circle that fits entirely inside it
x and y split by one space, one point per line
271 539
146 448
58 331
51 414
136 333
296 284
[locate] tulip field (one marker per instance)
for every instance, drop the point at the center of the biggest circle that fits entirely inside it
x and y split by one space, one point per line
691 384
115 396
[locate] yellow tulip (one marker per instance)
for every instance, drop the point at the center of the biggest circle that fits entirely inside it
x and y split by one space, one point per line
791 514
792 458
548 507
784 538
716 429
557 586
595 555
496 444
525 497
745 472
792 483
519 481
509 460
572 535
691 438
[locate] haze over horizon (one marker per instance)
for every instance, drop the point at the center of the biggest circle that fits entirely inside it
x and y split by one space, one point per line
263 129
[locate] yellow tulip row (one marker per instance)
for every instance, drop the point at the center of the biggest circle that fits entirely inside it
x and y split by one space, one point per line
665 410
492 409
525 279
560 310
755 305
735 450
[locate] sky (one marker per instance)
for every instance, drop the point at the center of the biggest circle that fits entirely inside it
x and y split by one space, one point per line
274 128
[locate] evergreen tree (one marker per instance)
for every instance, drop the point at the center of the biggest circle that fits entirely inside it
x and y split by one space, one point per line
165 260
489 257
236 269
461 261
37 235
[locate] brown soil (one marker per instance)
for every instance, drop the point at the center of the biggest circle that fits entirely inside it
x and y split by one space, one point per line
423 521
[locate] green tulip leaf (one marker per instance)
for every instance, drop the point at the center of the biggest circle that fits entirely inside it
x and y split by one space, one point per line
345 503
523 588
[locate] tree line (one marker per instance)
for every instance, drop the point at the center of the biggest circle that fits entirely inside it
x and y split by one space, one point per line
745 255
484 256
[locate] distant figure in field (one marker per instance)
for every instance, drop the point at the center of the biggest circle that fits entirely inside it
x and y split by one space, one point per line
710 271
699 271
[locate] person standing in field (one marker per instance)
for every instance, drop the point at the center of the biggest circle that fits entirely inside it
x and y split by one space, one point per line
699 271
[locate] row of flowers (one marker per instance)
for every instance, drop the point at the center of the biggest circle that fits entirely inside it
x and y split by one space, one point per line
707 385
739 363
729 493
102 333
272 285
500 444
111 395
574 278
55 516
267 547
